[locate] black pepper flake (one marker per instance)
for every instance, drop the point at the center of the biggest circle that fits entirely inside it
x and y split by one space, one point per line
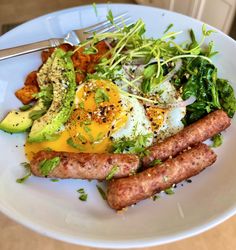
189 181
112 127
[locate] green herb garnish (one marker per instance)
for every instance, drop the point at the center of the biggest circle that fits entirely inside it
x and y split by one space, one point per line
136 145
168 28
113 171
169 191
47 166
155 162
26 165
101 192
217 140
110 17
71 143
36 114
23 179
25 107
54 180
81 105
83 196
101 96
95 9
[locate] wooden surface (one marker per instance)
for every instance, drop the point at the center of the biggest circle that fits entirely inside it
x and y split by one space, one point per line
16 237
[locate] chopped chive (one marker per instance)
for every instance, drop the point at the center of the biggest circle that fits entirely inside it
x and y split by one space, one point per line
113 171
169 191
101 192
83 197
23 179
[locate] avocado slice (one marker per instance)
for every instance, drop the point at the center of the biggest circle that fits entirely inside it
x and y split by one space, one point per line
62 77
19 121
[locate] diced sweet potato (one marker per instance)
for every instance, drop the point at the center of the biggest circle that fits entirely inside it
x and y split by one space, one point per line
66 47
80 76
46 54
102 50
80 60
25 94
31 79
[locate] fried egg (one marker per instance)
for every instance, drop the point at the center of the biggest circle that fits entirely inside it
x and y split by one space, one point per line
103 114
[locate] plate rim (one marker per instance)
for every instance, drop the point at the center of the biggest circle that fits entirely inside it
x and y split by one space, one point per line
148 242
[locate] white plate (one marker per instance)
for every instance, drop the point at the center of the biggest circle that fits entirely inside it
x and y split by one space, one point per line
53 209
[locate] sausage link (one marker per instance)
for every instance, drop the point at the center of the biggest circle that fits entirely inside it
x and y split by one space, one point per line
127 191
199 131
86 165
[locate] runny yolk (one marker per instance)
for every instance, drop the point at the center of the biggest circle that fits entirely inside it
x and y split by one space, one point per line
99 113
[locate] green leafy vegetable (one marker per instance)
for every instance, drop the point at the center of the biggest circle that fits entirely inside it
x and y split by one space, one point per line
101 96
217 140
25 107
47 166
226 96
113 171
101 192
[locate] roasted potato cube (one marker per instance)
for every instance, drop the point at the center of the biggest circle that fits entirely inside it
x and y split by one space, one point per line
25 94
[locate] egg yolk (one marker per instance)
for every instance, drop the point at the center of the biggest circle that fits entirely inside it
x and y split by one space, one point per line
98 114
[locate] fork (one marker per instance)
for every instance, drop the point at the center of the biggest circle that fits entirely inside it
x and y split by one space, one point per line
74 37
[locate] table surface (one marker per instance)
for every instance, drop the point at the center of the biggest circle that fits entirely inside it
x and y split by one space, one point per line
16 237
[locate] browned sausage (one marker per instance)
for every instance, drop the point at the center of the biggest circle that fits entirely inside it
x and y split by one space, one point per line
199 131
124 192
86 165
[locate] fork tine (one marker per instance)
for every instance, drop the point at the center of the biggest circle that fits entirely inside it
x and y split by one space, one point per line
100 25
114 29
104 29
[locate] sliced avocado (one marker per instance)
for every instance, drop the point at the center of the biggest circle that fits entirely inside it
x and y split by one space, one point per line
19 121
62 77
